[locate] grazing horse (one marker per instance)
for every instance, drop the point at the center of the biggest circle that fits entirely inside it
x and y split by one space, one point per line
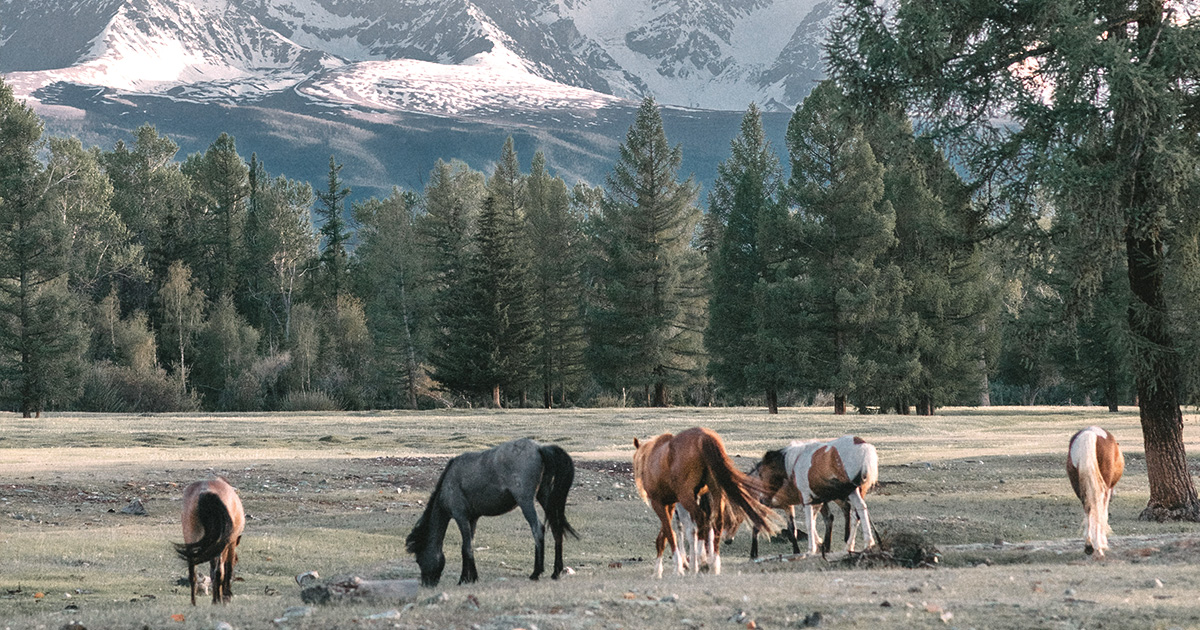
213 520
782 494
818 472
491 483
670 469
1094 465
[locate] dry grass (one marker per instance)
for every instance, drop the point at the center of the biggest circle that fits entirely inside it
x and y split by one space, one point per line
338 493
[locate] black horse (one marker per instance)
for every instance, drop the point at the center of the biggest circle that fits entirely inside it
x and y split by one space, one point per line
490 483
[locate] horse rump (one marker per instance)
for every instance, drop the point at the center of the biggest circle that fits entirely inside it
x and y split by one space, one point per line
214 517
741 489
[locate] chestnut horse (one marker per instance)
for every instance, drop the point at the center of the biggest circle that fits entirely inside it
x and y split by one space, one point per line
818 472
213 520
670 469
1094 465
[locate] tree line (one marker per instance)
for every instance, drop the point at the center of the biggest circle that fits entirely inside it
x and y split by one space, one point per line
870 275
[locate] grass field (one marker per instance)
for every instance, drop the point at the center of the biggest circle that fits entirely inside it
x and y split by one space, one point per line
338 493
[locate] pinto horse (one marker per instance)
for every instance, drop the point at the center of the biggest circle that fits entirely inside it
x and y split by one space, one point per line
670 469
213 520
818 472
1094 465
490 483
782 494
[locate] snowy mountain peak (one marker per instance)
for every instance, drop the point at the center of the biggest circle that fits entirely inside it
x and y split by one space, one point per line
456 57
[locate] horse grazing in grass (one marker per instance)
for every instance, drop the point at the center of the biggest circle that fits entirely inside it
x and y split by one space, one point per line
670 469
818 472
213 520
1094 465
780 493
490 483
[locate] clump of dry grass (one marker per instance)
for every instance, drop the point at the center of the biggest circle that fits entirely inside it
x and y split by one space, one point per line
909 550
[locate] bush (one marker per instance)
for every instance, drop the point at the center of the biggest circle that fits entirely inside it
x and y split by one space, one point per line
314 400
110 388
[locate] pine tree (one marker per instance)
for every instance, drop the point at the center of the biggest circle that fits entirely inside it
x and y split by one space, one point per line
844 227
41 337
393 280
745 198
646 327
1096 87
452 202
220 183
334 235
556 237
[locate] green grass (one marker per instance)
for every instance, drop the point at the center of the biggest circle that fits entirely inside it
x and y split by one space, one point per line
965 479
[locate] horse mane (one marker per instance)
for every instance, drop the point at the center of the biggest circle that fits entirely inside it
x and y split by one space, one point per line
418 538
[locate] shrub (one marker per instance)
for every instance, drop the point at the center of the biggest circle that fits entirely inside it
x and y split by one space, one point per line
313 400
114 389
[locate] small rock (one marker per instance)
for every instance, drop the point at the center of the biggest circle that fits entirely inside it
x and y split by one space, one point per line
73 625
304 579
1156 583
297 612
885 604
440 598
670 599
473 602
222 625
740 616
134 508
387 614
1069 592
812 620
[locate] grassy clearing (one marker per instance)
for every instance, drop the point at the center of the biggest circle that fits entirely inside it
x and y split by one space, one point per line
338 493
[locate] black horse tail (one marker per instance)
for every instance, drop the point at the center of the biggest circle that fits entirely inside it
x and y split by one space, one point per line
419 536
558 473
741 489
218 530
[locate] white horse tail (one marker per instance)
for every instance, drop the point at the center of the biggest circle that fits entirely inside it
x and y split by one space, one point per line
870 465
1092 480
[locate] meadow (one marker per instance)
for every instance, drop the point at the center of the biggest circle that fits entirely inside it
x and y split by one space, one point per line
338 493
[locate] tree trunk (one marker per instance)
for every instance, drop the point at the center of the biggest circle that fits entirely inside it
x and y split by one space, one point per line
660 395
772 401
547 395
495 396
839 404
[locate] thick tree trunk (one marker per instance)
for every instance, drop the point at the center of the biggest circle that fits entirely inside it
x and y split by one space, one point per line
495 396
839 404
772 401
660 395
547 395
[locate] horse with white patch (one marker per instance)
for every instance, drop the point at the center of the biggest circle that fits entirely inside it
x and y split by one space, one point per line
1094 465
819 472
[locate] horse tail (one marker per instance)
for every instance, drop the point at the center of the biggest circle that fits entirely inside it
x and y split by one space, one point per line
214 516
418 537
1091 484
558 473
868 473
740 488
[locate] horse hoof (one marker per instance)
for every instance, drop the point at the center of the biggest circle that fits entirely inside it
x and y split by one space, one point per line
1088 549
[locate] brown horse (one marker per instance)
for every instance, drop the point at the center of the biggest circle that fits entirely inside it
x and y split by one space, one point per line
213 520
671 469
1094 465
782 494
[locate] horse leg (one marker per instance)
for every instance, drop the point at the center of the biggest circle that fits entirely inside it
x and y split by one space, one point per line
859 508
810 518
827 519
192 580
714 551
666 534
754 542
558 550
227 582
852 521
692 507
792 535
216 572
539 538
466 527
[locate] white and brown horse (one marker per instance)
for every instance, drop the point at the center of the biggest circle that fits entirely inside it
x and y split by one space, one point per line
819 472
670 469
213 520
1094 465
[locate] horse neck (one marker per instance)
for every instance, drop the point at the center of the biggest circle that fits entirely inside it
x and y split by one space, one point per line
435 527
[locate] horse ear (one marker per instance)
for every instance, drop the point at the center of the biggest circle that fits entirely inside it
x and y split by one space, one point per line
636 444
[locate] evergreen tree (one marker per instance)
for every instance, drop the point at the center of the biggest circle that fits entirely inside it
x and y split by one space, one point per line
844 227
1097 87
225 348
334 235
280 247
220 183
745 198
647 324
41 337
452 203
393 280
556 236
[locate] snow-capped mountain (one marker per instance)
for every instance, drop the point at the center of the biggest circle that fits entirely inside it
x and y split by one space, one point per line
445 57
